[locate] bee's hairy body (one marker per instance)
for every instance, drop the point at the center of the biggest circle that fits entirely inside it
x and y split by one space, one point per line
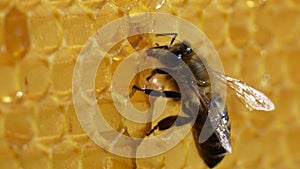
211 151
208 112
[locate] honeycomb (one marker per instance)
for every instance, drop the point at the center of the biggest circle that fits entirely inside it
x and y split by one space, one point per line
257 41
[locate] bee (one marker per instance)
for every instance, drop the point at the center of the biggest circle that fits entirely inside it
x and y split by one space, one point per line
198 87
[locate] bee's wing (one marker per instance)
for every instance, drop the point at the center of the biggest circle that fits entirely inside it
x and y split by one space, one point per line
252 98
217 121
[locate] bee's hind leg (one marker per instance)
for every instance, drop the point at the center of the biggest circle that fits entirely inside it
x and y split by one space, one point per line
168 122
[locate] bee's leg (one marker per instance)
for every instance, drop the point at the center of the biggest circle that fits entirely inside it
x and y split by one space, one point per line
168 122
166 94
165 46
132 93
168 34
171 120
159 47
158 71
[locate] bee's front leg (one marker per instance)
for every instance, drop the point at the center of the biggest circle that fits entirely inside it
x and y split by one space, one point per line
157 93
159 71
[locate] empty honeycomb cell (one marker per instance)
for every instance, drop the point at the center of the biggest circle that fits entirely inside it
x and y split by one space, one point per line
108 12
292 142
122 50
226 4
297 106
8 158
111 114
261 121
166 7
151 162
34 157
17 39
66 155
281 162
251 146
114 161
33 76
179 152
93 6
264 30
179 3
19 126
62 71
283 17
29 4
251 62
39 25
135 43
93 157
124 5
61 4
77 27
2 32
7 82
191 10
139 8
2 131
270 139
73 125
4 4
192 158
153 4
203 4
238 114
137 130
215 25
276 69
239 25
263 36
103 76
256 3
292 59
230 60
50 119
231 159
287 103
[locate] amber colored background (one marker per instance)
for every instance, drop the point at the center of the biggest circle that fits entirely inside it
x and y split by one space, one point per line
257 40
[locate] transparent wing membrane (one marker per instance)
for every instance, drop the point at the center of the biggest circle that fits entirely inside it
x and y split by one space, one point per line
252 98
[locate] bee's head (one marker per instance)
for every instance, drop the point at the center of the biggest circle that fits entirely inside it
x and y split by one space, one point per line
171 56
181 50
